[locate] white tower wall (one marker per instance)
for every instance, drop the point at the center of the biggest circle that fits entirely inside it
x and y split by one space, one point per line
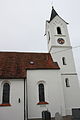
58 52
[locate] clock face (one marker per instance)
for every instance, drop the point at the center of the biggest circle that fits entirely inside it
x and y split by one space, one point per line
61 41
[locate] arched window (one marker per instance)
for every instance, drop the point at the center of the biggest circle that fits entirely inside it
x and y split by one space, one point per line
6 93
64 60
67 82
41 92
58 30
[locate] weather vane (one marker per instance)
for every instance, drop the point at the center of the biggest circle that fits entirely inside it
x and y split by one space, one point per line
52 3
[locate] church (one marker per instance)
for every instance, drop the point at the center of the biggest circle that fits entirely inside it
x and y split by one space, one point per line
31 83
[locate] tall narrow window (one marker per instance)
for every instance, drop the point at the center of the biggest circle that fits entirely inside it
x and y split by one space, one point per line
41 93
58 30
64 60
48 37
6 93
67 82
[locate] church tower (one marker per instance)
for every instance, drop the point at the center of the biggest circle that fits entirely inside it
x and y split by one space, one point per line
61 51
59 43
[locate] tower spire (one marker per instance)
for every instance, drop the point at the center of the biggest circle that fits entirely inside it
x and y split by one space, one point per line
52 7
53 13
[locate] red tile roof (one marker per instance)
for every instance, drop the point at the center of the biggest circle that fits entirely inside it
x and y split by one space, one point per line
15 64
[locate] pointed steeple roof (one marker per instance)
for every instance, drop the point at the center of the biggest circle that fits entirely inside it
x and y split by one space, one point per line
53 13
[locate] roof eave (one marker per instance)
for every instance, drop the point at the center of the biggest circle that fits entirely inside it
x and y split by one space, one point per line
43 69
59 17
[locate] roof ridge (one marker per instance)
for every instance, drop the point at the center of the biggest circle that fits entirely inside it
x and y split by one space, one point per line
24 52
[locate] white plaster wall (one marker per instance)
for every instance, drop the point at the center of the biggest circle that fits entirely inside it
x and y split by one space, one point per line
60 50
52 28
53 92
16 110
71 94
67 53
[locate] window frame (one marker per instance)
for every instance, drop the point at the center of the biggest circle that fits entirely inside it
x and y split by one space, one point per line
41 92
64 61
43 102
6 93
59 30
2 87
67 82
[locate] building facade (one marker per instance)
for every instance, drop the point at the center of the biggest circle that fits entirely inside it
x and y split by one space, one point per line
34 82
61 51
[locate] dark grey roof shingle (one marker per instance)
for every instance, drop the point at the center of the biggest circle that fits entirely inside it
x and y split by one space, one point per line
53 14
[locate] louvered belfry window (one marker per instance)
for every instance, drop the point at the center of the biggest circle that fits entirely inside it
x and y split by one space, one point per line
58 30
